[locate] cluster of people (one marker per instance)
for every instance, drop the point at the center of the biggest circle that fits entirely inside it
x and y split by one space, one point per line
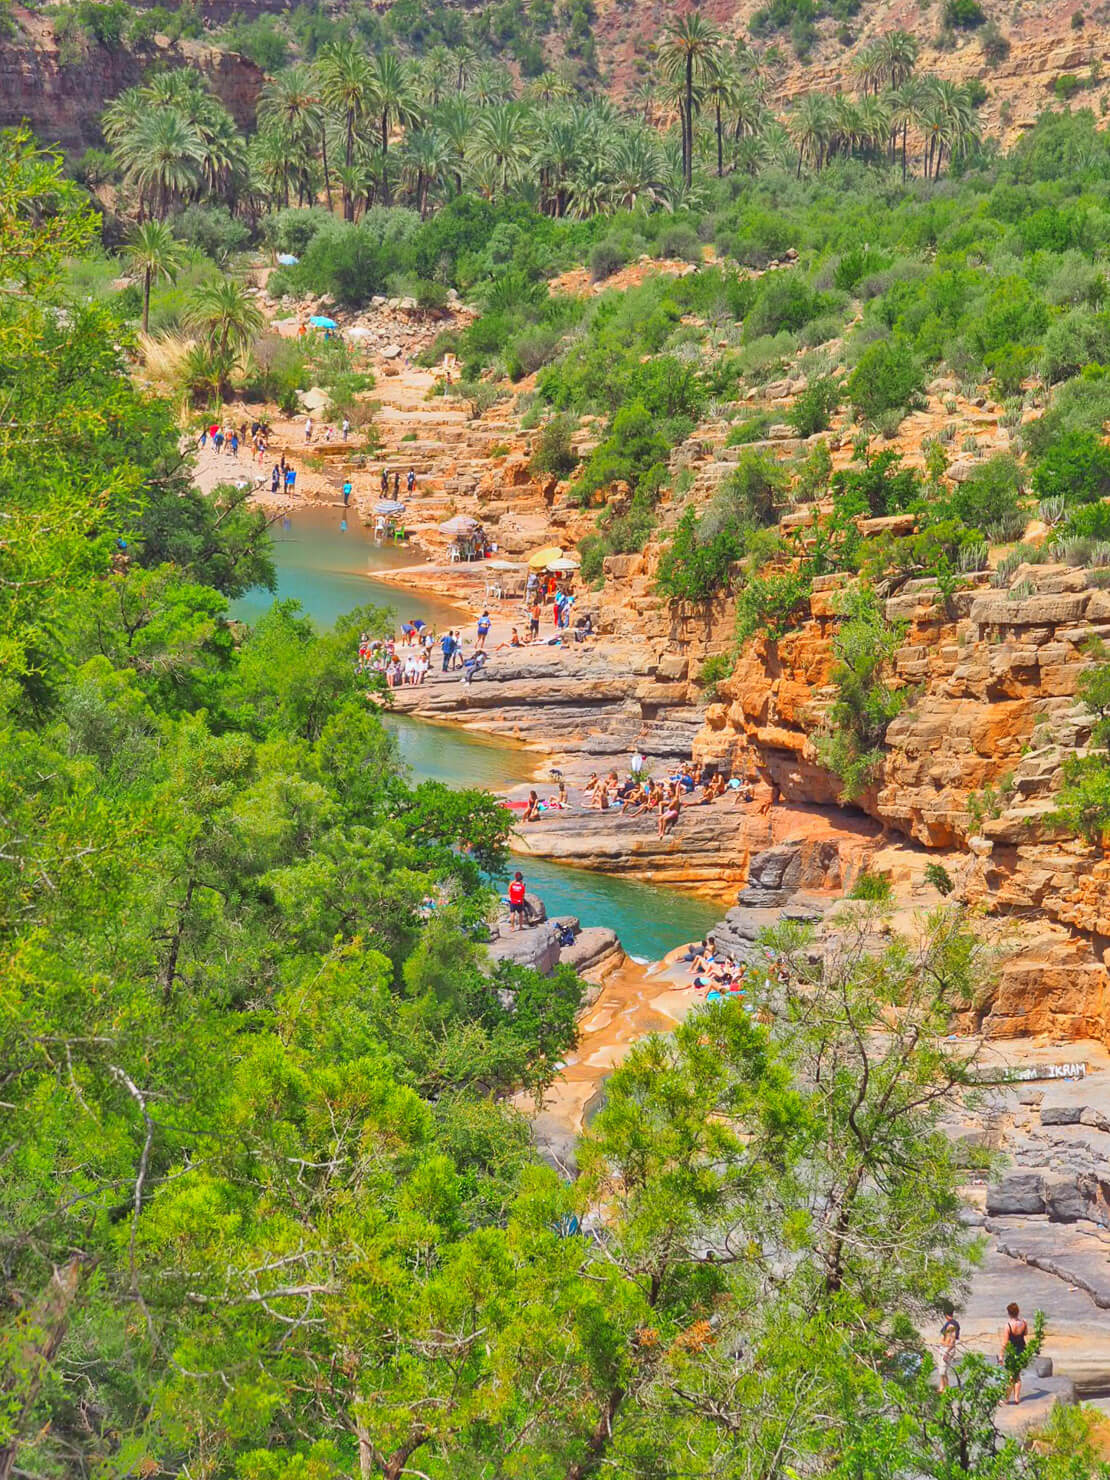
329 430
637 794
410 482
713 972
227 440
401 670
546 590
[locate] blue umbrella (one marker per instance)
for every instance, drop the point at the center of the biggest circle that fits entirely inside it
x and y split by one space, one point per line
287 259
318 321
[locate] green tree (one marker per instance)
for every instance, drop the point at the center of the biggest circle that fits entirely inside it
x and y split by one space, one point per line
688 53
227 316
153 252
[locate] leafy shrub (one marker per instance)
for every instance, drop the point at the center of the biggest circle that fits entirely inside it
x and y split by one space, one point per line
1009 366
865 704
768 604
938 876
964 15
554 451
990 495
813 408
607 257
783 301
633 447
261 40
763 236
291 230
751 492
751 429
856 264
1076 468
876 486
213 230
996 47
886 377
679 242
1074 341
1066 86
532 351
872 887
692 569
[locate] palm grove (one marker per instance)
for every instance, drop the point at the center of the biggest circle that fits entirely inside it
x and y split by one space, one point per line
268 1210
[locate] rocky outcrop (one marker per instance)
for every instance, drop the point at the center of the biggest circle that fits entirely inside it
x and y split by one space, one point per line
62 101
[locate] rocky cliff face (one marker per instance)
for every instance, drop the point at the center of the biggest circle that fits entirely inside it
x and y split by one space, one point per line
62 103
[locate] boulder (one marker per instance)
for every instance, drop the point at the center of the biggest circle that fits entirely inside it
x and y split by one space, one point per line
1064 1203
537 947
391 352
591 948
1017 1192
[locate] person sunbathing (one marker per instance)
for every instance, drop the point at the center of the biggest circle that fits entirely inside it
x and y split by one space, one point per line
632 798
715 788
591 784
532 811
559 802
650 801
669 812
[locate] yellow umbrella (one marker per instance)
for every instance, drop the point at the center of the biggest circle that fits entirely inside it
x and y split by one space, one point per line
545 556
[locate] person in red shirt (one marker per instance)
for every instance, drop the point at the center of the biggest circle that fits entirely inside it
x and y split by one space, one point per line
517 891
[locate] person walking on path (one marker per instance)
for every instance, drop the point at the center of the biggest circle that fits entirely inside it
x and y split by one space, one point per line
517 899
949 1338
385 482
534 622
484 624
347 493
290 480
308 428
346 429
396 485
447 643
275 478
1012 1355
636 764
410 480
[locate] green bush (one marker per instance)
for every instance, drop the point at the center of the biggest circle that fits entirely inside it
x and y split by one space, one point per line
996 47
865 704
769 605
872 887
679 242
751 492
1066 86
875 487
1076 468
813 408
692 569
751 429
554 452
1078 339
783 301
291 231
964 15
1009 367
856 264
213 230
632 449
261 40
886 378
938 876
606 258
991 496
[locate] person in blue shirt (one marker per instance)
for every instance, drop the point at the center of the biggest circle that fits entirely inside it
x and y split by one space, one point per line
484 624
346 493
290 479
447 643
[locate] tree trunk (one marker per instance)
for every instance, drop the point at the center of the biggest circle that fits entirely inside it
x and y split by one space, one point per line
327 172
385 156
44 1327
720 146
146 300
905 131
688 150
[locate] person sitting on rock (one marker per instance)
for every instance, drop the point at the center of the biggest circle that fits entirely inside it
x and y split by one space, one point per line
669 812
591 784
715 788
532 811
559 802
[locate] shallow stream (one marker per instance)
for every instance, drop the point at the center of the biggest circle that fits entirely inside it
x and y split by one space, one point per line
329 570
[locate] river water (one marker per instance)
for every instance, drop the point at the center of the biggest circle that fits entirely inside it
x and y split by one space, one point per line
329 570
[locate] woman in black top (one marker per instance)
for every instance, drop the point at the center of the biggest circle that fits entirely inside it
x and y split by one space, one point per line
1012 1355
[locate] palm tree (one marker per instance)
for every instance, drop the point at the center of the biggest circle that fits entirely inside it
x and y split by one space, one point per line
490 84
393 98
906 104
688 50
812 126
345 87
549 88
455 120
897 54
948 119
225 314
437 76
162 157
499 149
637 167
155 253
873 122
290 103
426 164
720 93
561 148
